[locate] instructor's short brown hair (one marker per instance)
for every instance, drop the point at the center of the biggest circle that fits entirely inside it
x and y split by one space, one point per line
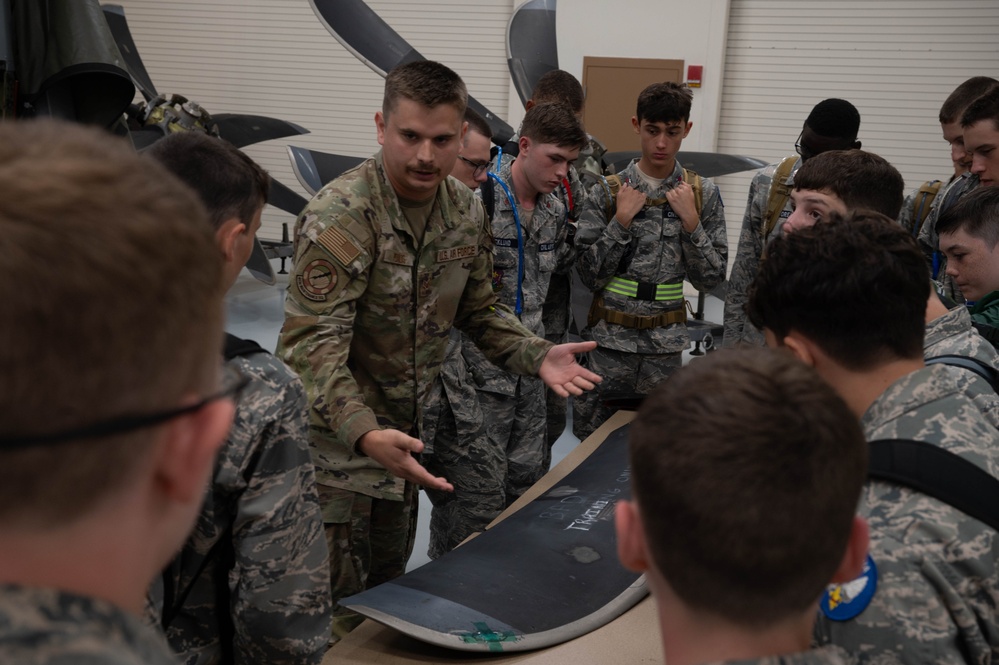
427 83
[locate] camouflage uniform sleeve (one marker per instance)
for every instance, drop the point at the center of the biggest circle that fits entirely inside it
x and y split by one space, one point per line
705 251
747 261
493 327
281 604
601 242
905 215
319 318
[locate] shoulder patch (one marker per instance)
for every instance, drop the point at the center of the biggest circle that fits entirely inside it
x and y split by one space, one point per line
317 280
337 243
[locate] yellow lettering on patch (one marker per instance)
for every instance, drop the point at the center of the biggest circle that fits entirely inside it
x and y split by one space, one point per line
456 253
339 245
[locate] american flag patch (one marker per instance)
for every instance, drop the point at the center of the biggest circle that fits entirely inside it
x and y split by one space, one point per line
339 245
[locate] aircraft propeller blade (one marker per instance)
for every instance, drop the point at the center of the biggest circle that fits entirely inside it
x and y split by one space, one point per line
115 16
531 46
376 44
242 129
314 169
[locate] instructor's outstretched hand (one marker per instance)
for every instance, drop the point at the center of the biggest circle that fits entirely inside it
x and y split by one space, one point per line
560 371
393 450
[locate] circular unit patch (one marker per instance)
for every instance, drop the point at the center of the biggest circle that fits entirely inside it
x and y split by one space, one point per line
842 602
317 280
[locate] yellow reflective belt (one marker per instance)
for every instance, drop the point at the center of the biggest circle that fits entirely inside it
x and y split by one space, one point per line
629 289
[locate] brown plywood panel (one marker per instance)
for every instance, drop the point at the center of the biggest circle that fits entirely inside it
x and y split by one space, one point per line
612 86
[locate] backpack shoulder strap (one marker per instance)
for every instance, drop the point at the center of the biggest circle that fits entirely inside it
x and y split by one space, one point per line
780 192
982 369
939 473
922 202
694 180
611 185
488 190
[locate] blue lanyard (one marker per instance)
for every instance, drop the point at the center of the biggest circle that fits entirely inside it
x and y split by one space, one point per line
520 239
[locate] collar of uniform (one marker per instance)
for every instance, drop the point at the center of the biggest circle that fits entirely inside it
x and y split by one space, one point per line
955 322
906 394
633 176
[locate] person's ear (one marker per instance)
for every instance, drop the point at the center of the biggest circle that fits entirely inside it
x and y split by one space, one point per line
529 104
380 126
524 144
800 347
856 552
687 130
631 545
636 125
227 235
187 452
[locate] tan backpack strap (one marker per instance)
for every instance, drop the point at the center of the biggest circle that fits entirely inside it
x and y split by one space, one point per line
611 185
694 180
922 202
780 192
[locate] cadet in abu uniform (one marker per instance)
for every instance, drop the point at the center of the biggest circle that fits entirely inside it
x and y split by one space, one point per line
636 246
114 405
832 125
491 465
746 468
252 581
928 592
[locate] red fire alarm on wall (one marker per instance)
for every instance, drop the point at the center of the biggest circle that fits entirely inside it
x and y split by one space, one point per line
694 73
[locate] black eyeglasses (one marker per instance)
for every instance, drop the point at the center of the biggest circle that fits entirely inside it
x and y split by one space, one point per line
480 167
233 382
803 149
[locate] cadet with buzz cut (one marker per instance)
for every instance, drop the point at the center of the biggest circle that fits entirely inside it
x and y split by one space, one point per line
388 257
491 445
849 298
832 125
113 405
260 535
754 459
635 248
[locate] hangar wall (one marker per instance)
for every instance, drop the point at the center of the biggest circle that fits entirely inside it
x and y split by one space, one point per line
766 63
274 57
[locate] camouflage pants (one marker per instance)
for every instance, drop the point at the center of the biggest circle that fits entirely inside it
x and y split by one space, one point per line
490 469
369 540
622 373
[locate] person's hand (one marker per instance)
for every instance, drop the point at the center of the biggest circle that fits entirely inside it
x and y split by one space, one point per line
681 200
630 202
392 449
560 371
